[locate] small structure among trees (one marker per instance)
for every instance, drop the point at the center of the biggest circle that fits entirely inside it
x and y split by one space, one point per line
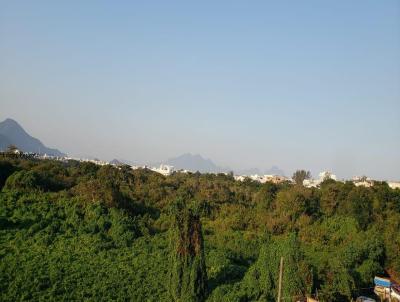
12 151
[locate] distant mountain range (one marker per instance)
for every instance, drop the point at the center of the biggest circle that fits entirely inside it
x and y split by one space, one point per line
11 133
274 170
196 162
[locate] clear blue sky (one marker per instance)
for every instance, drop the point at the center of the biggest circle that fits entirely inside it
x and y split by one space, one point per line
297 84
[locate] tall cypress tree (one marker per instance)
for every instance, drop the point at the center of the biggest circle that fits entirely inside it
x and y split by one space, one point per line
188 276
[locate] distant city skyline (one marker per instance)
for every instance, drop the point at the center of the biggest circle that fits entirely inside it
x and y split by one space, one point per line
298 85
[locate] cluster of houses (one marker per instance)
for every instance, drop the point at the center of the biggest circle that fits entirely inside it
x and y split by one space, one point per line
66 159
358 181
163 169
365 181
263 178
309 183
314 183
167 170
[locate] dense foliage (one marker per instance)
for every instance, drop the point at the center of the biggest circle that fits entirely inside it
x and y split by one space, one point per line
188 275
77 231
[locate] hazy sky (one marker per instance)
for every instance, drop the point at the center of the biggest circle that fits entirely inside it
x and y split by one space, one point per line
297 84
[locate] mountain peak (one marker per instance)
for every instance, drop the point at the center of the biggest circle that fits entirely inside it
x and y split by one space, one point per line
11 132
10 123
193 162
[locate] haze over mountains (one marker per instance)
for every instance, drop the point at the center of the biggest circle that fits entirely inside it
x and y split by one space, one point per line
11 133
274 170
195 162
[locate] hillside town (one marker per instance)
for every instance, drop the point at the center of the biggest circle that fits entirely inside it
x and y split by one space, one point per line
168 170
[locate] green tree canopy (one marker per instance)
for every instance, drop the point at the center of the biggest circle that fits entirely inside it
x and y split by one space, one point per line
300 175
261 281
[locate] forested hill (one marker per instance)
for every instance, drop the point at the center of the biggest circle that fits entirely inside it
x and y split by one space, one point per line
76 231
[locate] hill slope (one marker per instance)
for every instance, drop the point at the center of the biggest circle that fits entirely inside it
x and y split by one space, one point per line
12 133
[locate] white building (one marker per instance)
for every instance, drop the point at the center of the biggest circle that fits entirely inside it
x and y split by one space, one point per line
362 181
325 175
262 178
394 184
313 183
240 177
164 170
276 178
366 184
257 177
